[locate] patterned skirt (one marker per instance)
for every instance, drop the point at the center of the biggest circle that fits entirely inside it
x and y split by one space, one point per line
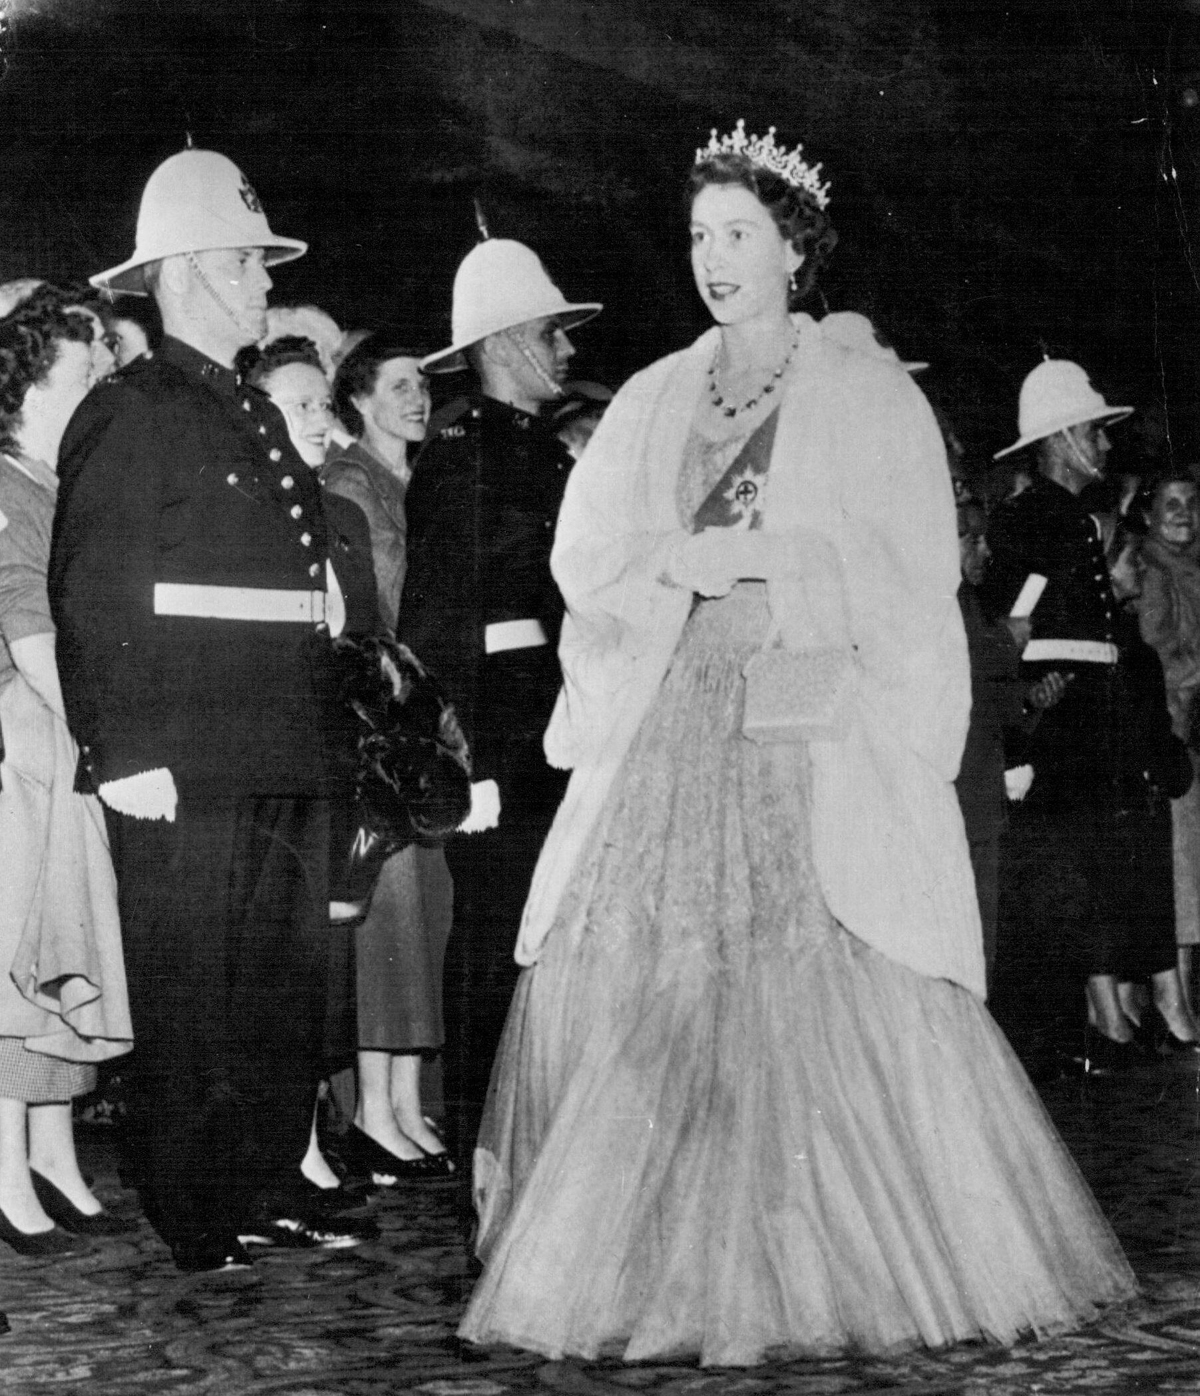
722 1127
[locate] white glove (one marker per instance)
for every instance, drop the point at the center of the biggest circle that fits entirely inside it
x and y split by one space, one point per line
148 795
485 808
1017 782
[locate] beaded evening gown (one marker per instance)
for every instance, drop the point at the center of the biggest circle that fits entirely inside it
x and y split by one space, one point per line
722 1127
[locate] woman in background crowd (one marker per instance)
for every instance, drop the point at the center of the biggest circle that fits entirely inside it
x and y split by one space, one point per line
381 397
1169 616
63 1004
1154 770
289 370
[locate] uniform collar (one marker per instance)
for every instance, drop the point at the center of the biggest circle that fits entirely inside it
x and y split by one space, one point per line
1054 495
506 414
223 380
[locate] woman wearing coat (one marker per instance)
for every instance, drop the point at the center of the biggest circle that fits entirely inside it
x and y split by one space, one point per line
381 396
749 1098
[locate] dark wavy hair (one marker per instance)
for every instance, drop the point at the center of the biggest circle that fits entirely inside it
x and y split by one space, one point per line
255 364
797 215
30 335
358 371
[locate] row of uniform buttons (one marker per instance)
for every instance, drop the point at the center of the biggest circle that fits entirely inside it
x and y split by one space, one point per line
275 455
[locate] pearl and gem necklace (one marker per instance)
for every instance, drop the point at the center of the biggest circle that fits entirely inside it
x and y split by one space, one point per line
767 388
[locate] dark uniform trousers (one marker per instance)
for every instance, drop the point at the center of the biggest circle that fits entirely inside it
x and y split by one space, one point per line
492 872
482 505
172 472
227 951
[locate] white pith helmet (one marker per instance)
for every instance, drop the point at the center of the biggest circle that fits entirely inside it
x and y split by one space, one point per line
196 201
501 284
1054 396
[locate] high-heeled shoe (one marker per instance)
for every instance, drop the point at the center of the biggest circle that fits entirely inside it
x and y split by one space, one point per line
384 1168
40 1243
59 1208
1167 1044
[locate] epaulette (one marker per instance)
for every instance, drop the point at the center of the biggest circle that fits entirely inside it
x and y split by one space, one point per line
447 422
133 369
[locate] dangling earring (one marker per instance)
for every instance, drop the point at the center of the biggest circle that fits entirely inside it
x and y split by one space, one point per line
792 281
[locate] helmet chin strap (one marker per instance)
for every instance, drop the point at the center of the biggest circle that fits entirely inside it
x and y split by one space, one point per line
554 387
202 277
1082 461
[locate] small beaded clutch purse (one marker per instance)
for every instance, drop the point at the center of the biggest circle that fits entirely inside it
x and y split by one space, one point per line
797 695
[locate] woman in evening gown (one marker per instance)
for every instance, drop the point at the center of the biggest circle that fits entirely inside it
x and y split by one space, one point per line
749 1101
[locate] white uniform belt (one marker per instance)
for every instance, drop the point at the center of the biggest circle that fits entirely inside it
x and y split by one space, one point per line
239 603
1081 651
513 635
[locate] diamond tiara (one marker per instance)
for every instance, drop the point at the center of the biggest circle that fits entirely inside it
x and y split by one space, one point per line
763 153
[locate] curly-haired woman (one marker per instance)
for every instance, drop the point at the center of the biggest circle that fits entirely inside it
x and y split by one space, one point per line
63 1004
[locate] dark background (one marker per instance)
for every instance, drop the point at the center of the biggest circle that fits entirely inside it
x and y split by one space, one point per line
1007 177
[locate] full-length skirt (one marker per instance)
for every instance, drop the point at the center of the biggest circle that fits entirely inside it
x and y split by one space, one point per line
722 1127
62 974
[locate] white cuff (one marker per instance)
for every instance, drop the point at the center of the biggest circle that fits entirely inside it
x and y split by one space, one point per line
485 808
148 795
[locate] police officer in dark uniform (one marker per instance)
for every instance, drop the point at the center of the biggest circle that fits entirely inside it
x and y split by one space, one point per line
194 604
1057 927
482 610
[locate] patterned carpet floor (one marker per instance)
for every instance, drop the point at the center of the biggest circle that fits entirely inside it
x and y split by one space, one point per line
381 1318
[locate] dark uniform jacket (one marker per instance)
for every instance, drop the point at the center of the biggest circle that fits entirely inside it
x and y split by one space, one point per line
1076 745
482 505
173 471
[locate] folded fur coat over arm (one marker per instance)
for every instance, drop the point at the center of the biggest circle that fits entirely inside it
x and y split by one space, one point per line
859 494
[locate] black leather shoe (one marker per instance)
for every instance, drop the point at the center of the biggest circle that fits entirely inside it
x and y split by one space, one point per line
308 1228
335 1201
1179 1049
1186 1051
211 1250
40 1243
384 1168
1105 1056
441 1165
59 1208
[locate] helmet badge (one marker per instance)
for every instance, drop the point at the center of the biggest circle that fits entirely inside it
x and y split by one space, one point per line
249 197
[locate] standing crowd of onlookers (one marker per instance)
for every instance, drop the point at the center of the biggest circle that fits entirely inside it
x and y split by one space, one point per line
207 530
205 504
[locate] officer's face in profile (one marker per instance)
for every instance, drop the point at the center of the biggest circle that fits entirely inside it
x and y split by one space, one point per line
238 281
399 403
1087 448
542 368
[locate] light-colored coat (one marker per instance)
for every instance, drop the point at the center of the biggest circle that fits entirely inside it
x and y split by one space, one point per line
859 492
